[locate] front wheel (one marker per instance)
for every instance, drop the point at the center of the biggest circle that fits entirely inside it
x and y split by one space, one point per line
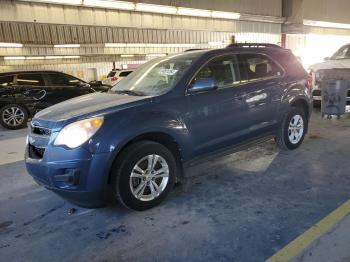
13 116
292 131
143 175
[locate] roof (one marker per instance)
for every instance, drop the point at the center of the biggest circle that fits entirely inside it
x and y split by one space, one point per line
29 71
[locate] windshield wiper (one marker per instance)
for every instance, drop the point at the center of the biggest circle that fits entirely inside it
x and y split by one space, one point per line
129 92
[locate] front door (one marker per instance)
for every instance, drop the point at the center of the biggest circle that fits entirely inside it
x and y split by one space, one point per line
219 117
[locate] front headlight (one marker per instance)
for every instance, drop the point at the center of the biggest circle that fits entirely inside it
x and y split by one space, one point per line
77 133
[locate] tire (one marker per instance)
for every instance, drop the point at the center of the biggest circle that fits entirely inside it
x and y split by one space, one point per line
284 138
6 116
125 187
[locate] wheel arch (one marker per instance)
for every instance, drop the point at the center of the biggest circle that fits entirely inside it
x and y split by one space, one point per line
160 137
302 103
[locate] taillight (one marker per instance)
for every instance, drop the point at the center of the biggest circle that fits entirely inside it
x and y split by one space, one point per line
114 78
309 80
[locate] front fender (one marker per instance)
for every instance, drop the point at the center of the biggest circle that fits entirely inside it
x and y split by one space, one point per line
122 127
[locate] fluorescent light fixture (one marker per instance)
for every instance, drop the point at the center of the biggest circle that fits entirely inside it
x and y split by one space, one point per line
163 9
67 46
110 4
53 57
71 57
193 12
14 58
120 45
11 45
226 15
35 57
325 24
63 2
127 55
155 55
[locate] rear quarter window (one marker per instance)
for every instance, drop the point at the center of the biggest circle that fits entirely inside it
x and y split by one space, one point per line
291 65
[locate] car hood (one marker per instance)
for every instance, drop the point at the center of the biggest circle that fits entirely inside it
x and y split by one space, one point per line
331 64
88 105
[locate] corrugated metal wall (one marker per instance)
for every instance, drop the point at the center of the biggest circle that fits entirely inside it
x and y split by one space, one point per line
261 7
36 33
324 10
60 14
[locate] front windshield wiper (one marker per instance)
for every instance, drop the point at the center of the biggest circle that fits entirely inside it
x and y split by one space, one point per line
129 92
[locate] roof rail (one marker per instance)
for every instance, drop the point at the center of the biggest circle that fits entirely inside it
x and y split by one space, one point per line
254 45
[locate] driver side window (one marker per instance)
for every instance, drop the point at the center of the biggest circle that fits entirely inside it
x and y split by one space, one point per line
222 70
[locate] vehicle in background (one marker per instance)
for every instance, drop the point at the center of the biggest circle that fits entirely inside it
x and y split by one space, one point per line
340 59
23 93
134 142
115 76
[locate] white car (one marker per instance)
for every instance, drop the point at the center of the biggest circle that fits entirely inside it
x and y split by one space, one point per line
340 60
115 76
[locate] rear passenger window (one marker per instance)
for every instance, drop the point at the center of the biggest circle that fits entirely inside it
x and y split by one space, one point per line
62 80
256 66
223 70
6 80
30 80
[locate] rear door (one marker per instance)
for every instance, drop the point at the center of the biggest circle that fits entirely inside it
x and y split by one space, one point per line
30 89
262 89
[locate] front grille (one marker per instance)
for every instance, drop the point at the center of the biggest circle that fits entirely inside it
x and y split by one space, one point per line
35 152
38 140
316 93
40 131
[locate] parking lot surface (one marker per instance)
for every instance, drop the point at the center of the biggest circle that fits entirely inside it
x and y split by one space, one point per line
242 207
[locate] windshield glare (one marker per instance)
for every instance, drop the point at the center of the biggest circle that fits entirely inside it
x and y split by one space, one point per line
158 76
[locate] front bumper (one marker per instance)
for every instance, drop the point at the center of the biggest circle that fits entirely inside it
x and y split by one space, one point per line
76 175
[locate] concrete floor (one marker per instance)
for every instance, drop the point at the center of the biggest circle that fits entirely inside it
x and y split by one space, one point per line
242 207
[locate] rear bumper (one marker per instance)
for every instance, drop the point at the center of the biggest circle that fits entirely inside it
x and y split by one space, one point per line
82 181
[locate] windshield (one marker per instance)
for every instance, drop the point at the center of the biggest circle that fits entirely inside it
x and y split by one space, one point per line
156 77
342 53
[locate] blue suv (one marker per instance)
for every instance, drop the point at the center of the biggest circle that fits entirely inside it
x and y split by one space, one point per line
134 142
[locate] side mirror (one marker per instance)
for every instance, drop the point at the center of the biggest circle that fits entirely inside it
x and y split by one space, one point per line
201 85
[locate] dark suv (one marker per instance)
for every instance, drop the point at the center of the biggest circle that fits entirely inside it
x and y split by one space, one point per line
24 93
134 142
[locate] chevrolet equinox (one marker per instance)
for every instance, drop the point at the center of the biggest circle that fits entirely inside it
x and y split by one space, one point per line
133 143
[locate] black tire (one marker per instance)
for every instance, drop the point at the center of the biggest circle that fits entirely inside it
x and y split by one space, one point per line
282 139
122 169
4 120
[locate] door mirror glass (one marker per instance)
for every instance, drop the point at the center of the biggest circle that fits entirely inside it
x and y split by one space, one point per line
203 85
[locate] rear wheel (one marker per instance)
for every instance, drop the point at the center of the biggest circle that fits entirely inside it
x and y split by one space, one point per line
292 131
13 116
143 175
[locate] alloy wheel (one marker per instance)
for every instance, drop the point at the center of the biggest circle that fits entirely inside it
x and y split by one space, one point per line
13 116
296 129
149 177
